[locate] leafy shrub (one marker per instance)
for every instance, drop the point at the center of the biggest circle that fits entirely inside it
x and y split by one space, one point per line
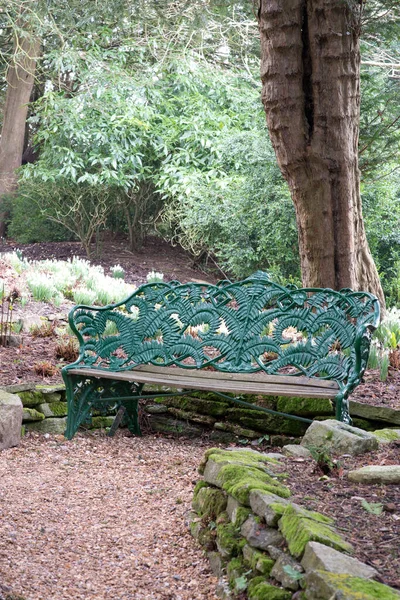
29 223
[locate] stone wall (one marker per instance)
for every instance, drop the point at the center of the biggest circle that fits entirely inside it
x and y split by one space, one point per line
202 413
264 546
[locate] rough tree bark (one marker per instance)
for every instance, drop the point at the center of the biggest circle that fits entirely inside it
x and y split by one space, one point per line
310 63
20 80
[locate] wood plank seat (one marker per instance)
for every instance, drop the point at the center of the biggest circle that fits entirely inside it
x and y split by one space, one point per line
238 383
249 337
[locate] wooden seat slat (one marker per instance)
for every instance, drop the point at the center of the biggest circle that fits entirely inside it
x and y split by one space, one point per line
201 383
263 377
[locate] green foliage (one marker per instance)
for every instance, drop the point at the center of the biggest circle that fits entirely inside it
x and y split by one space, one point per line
374 508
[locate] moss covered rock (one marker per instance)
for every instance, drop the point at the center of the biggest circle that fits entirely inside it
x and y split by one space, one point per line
258 589
31 398
192 416
210 407
209 502
386 436
53 409
264 422
298 530
30 414
257 560
321 585
238 472
56 426
229 540
305 407
237 430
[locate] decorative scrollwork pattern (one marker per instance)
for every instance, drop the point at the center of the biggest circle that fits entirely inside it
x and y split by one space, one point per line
247 326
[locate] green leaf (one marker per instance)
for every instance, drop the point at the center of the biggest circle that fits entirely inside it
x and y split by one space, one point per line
374 508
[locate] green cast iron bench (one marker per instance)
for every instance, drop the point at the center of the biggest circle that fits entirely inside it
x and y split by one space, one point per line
249 337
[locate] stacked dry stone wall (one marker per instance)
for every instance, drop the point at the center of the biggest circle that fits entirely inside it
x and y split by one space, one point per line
203 414
262 546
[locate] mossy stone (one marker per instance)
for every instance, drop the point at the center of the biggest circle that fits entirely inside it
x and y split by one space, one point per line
235 569
208 407
322 585
305 407
239 480
259 589
258 560
229 540
237 430
298 530
100 422
53 409
386 436
209 502
56 425
264 422
30 398
240 515
191 416
239 471
30 414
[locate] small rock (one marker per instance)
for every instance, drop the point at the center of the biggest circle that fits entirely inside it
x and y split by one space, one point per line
296 450
280 574
261 502
339 438
10 420
223 590
259 536
385 474
320 557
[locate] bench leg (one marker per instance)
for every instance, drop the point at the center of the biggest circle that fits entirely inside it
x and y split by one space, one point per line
132 414
342 409
78 402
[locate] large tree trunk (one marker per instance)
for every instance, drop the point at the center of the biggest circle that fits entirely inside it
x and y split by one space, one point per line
20 80
310 72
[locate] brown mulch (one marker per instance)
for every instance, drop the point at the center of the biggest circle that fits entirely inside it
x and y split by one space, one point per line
98 518
379 393
375 538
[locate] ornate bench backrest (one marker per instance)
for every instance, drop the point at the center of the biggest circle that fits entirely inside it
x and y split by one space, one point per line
252 325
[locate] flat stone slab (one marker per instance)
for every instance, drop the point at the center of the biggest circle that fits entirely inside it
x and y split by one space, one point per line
49 426
318 557
374 413
339 438
10 420
321 585
296 450
385 474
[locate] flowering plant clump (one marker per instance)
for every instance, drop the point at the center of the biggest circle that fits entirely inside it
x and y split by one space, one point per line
117 272
154 277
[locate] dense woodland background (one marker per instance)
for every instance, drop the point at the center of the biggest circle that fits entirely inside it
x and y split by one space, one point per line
145 117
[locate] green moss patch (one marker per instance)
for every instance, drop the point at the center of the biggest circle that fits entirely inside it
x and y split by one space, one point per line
258 589
280 509
239 480
30 414
209 502
305 407
264 422
31 398
322 584
386 436
208 407
299 530
229 540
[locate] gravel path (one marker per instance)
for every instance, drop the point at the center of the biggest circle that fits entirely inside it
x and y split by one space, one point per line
99 518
